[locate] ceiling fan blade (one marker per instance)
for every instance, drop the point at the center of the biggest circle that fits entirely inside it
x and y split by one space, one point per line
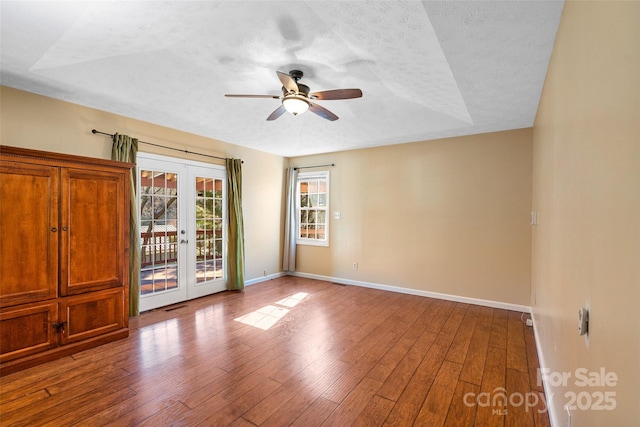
322 112
289 84
277 113
336 94
254 96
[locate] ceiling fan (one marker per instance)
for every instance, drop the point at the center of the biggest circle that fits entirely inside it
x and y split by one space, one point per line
296 98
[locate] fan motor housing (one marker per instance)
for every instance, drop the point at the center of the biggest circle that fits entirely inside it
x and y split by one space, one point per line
302 90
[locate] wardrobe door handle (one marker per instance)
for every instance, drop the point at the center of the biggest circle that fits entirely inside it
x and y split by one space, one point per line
54 229
59 326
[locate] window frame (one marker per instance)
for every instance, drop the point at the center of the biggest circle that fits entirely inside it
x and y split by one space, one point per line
305 176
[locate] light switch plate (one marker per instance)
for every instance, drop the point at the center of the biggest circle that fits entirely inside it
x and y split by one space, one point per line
583 321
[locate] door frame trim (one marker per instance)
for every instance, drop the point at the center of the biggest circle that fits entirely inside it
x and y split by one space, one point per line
159 157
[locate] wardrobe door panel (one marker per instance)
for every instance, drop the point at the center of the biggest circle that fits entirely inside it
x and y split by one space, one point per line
27 329
90 315
93 231
29 232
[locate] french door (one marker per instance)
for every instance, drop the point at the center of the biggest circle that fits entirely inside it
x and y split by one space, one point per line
182 206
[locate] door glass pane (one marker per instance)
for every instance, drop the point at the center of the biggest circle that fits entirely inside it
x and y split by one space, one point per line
158 231
208 221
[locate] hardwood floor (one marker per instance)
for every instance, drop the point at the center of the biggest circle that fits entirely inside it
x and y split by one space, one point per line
342 356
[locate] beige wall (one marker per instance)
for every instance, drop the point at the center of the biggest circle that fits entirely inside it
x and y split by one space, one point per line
33 121
449 216
586 246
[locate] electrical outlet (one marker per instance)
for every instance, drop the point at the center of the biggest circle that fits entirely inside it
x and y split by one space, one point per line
264 273
355 266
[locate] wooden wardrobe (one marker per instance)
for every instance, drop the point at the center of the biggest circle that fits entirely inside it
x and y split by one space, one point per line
64 251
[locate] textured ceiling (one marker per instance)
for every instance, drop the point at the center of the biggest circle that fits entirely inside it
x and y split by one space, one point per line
427 69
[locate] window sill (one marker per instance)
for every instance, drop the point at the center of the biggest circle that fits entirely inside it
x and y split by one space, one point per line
324 243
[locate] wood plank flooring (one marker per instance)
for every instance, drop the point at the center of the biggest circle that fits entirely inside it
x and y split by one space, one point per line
343 356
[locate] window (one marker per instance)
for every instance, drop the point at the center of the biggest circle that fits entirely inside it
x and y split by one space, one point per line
312 205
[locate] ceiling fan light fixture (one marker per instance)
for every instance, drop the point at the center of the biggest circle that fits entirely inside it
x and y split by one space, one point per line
295 104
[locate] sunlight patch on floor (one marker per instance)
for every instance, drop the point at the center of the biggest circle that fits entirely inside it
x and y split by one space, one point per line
263 318
293 300
266 317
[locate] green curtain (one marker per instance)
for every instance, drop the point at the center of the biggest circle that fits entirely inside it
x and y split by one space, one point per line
235 253
125 149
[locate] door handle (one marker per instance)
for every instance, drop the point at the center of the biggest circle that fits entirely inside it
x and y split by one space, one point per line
184 241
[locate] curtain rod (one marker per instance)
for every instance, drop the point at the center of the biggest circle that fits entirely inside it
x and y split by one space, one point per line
93 131
316 166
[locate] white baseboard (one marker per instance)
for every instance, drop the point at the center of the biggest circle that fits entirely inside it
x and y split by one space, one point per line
264 279
553 419
448 297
